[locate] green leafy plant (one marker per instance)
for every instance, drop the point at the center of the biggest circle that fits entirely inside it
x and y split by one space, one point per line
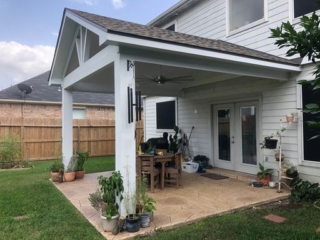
304 190
291 170
57 166
144 202
304 43
264 172
96 199
111 189
10 149
72 164
81 158
277 133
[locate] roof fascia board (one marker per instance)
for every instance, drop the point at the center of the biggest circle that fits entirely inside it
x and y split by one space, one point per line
120 39
100 31
100 60
54 103
204 64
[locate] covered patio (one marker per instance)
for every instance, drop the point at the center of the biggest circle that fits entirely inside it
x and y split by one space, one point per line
198 197
100 54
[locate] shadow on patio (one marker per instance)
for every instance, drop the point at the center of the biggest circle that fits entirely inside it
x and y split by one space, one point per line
197 198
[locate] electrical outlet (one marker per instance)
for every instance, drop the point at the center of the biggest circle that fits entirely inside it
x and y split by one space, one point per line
265 158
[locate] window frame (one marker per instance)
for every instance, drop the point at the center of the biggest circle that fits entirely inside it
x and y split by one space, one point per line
79 108
175 100
301 160
248 26
292 18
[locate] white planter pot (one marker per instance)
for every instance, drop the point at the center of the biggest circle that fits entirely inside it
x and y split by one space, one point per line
109 225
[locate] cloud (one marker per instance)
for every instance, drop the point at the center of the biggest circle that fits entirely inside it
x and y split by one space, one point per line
117 4
20 62
87 2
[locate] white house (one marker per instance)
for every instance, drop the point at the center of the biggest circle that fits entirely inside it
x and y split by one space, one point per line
245 23
228 81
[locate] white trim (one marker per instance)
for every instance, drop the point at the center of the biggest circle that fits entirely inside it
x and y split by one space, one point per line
100 31
296 20
264 19
118 39
100 60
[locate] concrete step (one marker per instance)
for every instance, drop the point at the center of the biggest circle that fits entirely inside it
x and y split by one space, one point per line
233 174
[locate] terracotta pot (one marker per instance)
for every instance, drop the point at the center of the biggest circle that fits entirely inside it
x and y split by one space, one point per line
80 174
265 180
290 118
54 176
69 176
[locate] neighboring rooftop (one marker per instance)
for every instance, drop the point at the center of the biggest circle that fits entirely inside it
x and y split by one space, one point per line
44 93
157 34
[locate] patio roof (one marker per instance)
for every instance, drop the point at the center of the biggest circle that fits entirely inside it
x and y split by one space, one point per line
161 35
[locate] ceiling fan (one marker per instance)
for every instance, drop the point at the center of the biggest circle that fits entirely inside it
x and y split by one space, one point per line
163 78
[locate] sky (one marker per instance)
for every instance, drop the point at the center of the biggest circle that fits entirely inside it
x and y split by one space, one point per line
29 30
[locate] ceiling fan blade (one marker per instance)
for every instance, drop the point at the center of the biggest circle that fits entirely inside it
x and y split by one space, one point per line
143 83
179 80
182 77
168 75
151 77
144 79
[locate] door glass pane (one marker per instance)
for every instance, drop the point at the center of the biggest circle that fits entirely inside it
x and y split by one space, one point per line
248 129
224 134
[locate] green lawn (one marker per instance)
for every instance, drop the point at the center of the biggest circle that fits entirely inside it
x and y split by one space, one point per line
43 211
302 222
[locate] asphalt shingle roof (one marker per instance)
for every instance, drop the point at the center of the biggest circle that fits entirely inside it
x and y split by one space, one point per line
158 34
42 92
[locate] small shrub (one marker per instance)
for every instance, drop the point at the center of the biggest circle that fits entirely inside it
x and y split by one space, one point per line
10 150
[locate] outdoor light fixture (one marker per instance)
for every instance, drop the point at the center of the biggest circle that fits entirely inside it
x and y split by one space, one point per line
131 104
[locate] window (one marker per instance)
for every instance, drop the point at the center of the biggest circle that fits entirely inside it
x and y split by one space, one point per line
311 152
78 113
242 13
172 27
302 7
166 115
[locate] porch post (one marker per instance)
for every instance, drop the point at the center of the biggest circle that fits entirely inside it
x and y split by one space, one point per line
67 135
125 133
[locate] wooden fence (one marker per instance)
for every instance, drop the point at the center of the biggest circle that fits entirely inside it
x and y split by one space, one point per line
41 138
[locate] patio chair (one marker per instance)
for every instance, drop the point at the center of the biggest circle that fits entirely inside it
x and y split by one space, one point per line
146 167
173 173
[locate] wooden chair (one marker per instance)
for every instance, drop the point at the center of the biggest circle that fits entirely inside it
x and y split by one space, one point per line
173 173
147 168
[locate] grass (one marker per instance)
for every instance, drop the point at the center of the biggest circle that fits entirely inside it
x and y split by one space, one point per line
302 222
32 208
99 164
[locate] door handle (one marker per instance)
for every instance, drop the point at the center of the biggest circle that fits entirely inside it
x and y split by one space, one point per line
232 142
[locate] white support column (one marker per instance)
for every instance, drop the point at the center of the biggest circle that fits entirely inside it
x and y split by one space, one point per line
67 135
125 133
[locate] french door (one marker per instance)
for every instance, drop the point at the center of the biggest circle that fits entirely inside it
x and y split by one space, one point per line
235 136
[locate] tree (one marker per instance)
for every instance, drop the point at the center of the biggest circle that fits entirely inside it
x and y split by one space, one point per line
304 43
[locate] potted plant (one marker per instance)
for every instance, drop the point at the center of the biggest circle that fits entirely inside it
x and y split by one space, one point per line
81 158
111 189
145 204
277 157
292 172
269 142
264 175
56 169
69 174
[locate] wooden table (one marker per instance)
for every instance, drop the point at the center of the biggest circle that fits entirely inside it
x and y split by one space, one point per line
163 160
167 157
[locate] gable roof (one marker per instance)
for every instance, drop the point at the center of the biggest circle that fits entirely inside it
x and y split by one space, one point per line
44 93
157 34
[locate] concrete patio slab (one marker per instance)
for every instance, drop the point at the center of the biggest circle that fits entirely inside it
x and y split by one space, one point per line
197 198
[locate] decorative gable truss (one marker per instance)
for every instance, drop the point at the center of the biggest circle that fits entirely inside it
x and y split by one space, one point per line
85 45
